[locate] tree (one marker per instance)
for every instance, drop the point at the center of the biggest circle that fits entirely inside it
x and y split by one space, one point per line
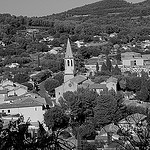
29 85
60 77
107 109
133 83
81 104
97 67
99 79
87 131
21 78
144 75
116 70
143 94
42 76
135 134
55 119
85 52
50 84
104 67
108 64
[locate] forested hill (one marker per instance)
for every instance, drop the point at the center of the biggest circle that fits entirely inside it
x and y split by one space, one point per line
145 3
107 7
98 7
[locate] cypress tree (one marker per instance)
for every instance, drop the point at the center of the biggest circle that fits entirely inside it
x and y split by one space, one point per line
104 67
97 67
116 70
108 64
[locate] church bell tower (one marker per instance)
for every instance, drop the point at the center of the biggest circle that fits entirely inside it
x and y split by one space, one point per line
69 63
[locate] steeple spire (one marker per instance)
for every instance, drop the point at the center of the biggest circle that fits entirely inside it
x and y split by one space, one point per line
68 50
69 63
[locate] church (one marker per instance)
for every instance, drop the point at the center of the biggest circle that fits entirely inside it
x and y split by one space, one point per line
71 82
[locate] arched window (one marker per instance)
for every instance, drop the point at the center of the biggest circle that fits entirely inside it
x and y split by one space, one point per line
71 62
68 62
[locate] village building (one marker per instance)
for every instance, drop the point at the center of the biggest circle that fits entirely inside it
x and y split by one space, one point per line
90 64
10 89
13 65
135 62
28 107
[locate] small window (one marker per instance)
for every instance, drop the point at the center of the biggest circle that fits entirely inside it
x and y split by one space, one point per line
71 62
8 111
35 109
2 111
59 93
135 62
68 62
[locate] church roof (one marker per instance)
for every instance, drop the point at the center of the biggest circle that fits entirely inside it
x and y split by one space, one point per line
112 79
68 50
78 79
86 83
97 86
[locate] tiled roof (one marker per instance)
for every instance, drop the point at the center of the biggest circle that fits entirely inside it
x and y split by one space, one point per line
146 56
97 86
96 44
5 91
86 84
78 79
28 102
27 94
112 79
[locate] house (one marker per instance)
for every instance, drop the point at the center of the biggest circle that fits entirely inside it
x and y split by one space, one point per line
10 99
90 64
52 52
145 44
113 35
32 30
135 62
10 89
135 59
13 65
132 59
49 38
2 43
96 44
28 107
79 43
111 83
98 87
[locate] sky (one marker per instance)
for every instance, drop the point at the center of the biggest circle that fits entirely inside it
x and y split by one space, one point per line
42 7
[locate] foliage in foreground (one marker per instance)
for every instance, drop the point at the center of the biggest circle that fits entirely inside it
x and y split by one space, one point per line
16 136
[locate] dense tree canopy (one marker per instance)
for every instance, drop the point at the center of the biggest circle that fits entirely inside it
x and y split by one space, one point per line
50 84
55 119
21 78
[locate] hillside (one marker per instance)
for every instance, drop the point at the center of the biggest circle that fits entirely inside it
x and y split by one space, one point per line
106 7
145 3
98 7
